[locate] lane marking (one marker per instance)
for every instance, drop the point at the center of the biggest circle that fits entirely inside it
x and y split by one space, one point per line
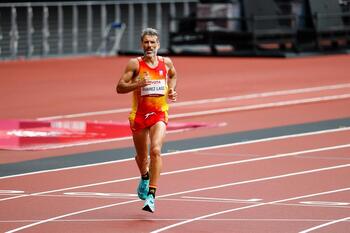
202 189
173 219
325 203
325 224
212 100
214 111
222 199
189 169
261 106
262 179
188 151
11 191
96 194
337 205
256 200
326 157
247 207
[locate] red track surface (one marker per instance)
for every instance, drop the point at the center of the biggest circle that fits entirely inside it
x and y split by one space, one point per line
289 184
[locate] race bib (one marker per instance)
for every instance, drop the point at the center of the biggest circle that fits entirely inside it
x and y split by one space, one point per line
156 88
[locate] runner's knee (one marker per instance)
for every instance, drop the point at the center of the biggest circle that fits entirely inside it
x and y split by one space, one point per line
155 151
141 158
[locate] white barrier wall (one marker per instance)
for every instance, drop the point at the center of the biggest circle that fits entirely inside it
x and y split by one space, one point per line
44 29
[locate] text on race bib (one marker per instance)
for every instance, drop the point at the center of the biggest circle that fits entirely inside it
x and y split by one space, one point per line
156 88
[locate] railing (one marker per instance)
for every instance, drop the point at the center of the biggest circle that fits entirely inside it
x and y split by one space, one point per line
111 39
46 29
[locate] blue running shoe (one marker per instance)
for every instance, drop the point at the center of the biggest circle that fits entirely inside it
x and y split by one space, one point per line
142 189
149 204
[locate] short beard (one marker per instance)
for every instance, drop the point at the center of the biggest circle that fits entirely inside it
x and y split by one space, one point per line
154 53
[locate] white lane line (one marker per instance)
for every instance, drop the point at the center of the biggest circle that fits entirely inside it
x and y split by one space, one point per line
264 94
201 189
209 112
98 194
229 200
261 179
325 203
203 113
262 106
222 199
206 101
246 207
325 224
173 219
190 150
192 169
11 191
202 167
310 204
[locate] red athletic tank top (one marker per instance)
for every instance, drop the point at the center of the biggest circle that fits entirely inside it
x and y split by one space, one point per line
152 98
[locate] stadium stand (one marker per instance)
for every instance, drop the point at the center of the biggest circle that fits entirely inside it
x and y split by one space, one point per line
330 27
251 27
258 26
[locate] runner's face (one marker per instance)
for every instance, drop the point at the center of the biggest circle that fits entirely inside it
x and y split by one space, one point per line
150 45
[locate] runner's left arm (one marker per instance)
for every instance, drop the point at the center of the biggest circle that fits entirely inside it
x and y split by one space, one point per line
172 94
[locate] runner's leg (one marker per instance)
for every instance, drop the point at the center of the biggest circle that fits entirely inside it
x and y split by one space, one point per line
157 135
141 141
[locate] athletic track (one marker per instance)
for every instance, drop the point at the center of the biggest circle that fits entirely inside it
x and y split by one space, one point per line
276 161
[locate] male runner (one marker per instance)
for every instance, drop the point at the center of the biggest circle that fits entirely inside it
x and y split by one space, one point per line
152 79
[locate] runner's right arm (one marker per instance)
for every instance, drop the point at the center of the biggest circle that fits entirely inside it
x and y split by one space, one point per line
128 82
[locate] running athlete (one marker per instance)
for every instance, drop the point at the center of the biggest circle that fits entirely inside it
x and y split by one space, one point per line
152 79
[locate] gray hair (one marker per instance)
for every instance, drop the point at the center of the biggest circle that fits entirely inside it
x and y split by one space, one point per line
150 32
